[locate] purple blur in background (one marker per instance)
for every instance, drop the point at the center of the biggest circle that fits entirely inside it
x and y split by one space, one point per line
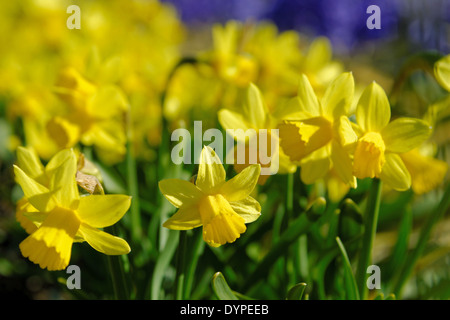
422 24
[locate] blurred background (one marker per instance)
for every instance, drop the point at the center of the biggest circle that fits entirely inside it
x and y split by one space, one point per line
408 27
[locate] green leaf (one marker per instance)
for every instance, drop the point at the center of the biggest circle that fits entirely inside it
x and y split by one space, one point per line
400 250
296 228
296 292
163 262
221 288
422 242
352 288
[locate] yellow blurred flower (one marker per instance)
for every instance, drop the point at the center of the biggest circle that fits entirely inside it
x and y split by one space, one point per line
380 141
319 136
95 116
319 66
426 172
231 63
60 215
221 207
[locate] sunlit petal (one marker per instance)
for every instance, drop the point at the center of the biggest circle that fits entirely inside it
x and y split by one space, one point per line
405 134
186 218
373 111
101 211
180 192
339 96
211 174
242 184
395 174
248 208
104 242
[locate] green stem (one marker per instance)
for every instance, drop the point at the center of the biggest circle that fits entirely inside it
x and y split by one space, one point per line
117 272
423 240
181 270
370 228
290 195
196 250
132 183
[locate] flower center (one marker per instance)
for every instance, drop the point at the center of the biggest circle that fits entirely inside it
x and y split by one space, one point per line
369 156
220 223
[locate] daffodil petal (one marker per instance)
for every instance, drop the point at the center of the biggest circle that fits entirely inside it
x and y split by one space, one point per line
248 208
62 169
405 134
315 166
104 242
63 132
342 164
426 172
346 134
100 211
30 188
179 192
23 207
319 54
289 110
373 111
306 99
211 174
240 186
338 96
108 136
394 173
45 202
254 108
186 218
28 161
230 119
442 72
108 100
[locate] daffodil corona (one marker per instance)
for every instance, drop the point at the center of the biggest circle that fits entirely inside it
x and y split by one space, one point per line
222 207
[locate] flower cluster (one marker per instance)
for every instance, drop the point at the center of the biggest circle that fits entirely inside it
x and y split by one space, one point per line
87 116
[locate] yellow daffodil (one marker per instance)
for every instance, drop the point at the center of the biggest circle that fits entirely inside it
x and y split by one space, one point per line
319 66
380 142
319 135
426 172
232 66
60 215
221 207
255 115
276 54
95 116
